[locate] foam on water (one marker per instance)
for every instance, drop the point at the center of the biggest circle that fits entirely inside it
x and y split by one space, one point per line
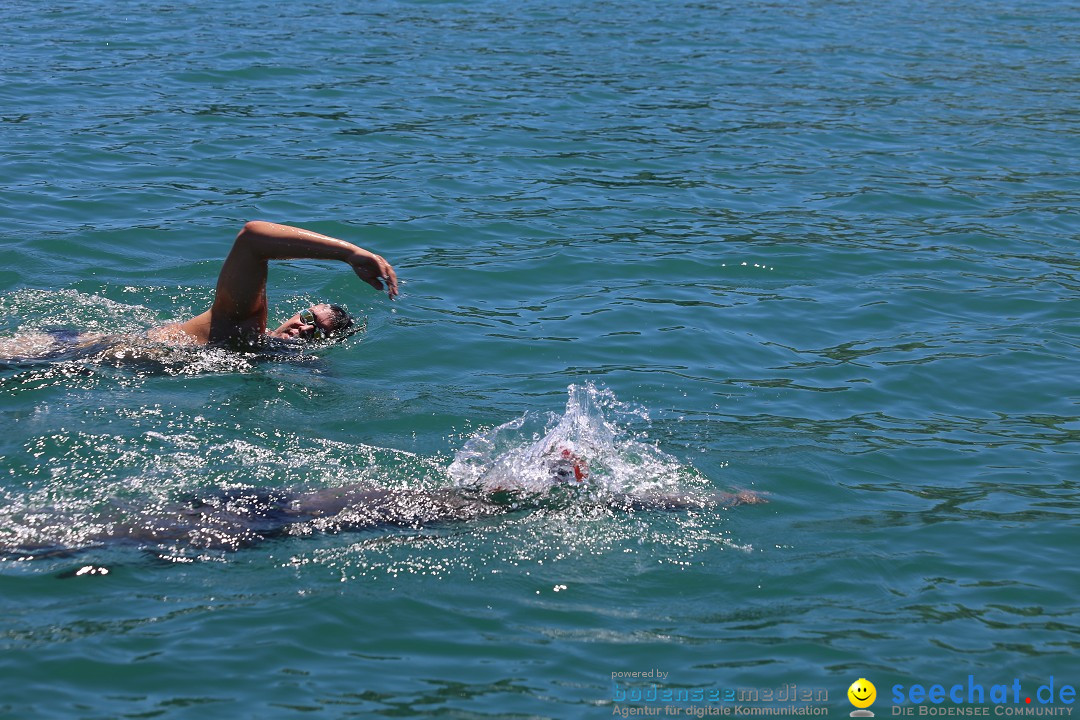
29 310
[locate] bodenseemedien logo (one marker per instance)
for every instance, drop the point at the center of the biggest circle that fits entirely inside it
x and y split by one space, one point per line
862 694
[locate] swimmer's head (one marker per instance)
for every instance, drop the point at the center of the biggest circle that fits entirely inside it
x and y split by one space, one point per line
317 322
566 466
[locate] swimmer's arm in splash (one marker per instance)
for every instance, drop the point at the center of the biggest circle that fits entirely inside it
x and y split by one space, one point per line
239 310
358 507
678 501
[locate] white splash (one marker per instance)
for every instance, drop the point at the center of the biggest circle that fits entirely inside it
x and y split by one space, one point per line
588 446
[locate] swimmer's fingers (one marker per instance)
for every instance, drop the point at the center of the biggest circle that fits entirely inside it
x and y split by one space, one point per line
375 271
391 280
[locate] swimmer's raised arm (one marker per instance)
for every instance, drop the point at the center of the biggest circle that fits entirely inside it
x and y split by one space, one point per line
260 241
240 308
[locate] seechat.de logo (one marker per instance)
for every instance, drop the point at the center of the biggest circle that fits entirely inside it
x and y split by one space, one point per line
862 694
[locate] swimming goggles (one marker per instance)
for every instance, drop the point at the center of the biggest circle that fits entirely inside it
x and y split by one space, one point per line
308 318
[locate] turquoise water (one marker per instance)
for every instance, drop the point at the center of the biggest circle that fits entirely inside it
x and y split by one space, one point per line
825 251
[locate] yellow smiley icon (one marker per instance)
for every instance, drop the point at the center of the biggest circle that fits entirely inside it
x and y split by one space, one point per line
862 693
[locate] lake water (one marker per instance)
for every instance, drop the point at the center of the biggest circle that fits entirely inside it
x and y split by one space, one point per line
825 251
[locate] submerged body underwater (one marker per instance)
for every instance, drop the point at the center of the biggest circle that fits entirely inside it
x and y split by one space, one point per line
580 457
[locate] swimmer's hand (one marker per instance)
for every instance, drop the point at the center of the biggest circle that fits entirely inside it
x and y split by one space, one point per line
375 271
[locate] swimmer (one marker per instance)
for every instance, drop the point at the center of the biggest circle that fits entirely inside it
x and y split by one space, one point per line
238 313
240 517
237 317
